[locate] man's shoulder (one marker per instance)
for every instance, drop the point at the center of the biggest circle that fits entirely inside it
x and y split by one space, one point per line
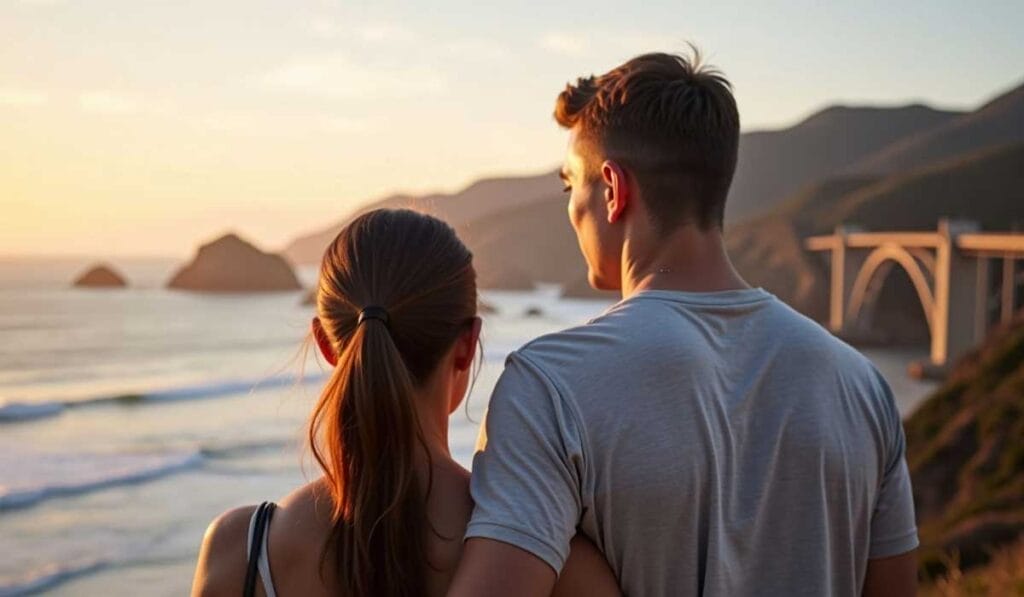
563 350
811 347
799 333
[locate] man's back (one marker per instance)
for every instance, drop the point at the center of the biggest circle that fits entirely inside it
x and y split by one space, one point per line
716 444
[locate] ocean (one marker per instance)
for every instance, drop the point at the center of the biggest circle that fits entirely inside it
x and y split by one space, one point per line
130 418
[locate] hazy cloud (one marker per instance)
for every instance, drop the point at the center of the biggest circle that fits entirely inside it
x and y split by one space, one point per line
262 123
385 33
344 124
21 97
371 33
619 45
479 49
566 44
638 43
337 76
233 121
105 102
324 27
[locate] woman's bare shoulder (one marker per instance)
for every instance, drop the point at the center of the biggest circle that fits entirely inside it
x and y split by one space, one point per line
299 532
313 497
302 522
302 515
222 557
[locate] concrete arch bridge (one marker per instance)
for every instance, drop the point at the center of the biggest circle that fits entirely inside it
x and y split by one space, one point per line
967 281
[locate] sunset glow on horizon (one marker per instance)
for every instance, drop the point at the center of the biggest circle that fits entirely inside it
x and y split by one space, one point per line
145 128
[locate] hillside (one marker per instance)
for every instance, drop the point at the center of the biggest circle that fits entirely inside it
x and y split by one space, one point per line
535 237
478 200
966 456
774 164
801 180
987 186
518 228
999 121
1003 575
768 251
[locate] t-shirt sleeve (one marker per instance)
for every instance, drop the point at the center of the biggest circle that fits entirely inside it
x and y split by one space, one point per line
893 529
528 466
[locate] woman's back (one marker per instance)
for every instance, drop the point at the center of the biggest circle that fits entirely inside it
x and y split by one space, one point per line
397 321
301 524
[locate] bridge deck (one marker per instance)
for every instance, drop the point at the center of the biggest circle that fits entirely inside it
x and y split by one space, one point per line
980 242
949 268
992 243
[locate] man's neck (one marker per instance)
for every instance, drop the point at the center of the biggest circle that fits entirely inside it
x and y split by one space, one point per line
690 260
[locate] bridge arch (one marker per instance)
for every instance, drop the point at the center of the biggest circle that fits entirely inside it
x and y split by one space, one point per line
878 264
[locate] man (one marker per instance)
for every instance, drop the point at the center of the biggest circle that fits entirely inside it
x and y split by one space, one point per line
706 437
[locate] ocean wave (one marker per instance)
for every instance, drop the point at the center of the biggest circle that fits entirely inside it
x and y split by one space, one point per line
200 391
12 412
48 476
18 412
225 451
33 478
51 575
228 388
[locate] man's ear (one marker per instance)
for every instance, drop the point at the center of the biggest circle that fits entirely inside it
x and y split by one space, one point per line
466 349
616 193
324 343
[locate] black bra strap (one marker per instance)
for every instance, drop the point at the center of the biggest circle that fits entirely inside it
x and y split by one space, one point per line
263 514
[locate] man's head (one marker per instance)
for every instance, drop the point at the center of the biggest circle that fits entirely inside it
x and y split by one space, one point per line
652 149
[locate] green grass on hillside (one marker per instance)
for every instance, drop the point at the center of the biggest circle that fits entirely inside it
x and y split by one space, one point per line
1002 576
965 450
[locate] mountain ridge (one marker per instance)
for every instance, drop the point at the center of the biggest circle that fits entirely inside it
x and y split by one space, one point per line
518 229
998 121
772 165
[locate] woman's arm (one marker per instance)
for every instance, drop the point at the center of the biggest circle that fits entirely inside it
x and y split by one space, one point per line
222 558
894 576
586 572
490 567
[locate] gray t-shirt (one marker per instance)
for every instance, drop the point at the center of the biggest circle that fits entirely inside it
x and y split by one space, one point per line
708 443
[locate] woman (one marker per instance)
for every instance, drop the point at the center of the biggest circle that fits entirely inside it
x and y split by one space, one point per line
397 319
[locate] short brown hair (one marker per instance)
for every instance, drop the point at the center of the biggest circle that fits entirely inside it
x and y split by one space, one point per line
672 122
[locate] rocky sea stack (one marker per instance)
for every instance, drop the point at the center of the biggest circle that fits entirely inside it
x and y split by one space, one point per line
230 264
100 276
965 449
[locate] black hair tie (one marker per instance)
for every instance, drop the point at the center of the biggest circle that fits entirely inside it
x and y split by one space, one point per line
373 313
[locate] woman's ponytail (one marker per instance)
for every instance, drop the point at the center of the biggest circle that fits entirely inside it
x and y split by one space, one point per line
364 431
371 435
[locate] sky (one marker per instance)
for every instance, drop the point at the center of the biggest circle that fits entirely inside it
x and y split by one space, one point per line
144 127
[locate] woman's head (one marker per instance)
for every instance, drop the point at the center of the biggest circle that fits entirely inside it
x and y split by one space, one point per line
414 280
415 268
